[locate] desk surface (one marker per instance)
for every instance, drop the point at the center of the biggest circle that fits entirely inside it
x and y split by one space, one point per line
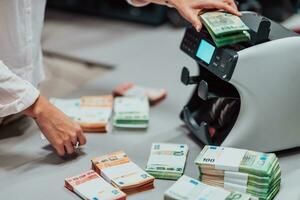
30 170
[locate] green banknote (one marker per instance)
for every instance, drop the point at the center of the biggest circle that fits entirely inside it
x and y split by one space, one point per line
261 193
224 28
230 39
255 173
239 160
248 182
222 23
255 179
131 112
187 188
167 161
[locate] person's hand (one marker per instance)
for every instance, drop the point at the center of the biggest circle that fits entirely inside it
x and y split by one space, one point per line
190 9
59 129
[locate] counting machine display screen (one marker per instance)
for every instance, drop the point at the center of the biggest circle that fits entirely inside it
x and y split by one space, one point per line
205 51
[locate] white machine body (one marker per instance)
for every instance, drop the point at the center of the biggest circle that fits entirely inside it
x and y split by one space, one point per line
267 77
247 95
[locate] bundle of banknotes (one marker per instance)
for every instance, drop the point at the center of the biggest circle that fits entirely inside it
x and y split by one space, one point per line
117 169
254 173
224 28
131 112
167 161
90 185
187 188
154 95
91 112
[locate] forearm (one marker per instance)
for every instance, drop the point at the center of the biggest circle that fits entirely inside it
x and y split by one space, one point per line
16 94
140 3
36 108
169 3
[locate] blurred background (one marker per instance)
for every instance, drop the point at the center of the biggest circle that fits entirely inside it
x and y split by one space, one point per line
84 39
277 10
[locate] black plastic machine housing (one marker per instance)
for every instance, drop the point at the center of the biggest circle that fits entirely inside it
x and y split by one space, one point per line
213 108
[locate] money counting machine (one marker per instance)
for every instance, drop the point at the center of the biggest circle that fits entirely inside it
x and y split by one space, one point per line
247 95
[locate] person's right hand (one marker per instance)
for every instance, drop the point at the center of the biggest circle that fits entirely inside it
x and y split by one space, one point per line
59 129
190 9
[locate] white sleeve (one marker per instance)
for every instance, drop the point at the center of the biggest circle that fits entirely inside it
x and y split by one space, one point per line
16 94
138 3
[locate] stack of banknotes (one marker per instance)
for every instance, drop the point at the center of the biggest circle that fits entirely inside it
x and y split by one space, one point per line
131 112
255 173
90 185
117 169
154 95
224 28
91 112
187 188
167 161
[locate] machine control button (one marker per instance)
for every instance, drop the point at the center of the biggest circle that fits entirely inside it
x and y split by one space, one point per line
215 64
222 67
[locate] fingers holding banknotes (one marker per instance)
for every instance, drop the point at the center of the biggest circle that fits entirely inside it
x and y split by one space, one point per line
190 9
60 130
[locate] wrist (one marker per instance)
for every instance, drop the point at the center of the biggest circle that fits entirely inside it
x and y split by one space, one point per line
169 3
36 108
139 3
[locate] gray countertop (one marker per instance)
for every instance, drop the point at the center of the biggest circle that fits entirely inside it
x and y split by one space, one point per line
30 170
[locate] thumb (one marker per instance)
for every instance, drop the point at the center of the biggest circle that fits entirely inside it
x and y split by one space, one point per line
198 26
196 22
191 15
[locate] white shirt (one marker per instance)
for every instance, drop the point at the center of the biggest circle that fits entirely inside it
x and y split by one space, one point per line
21 69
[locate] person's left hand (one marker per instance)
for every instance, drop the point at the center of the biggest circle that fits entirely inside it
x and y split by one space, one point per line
59 129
